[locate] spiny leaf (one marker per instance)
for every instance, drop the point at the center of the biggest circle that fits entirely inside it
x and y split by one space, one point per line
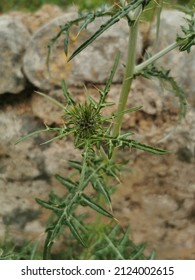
75 232
115 18
99 184
52 100
67 96
112 73
77 222
147 148
88 201
164 77
130 110
107 104
70 185
47 205
114 248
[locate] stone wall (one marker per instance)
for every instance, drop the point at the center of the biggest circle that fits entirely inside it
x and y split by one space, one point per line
157 194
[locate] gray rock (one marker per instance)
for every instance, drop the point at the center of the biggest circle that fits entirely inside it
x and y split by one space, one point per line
91 65
13 40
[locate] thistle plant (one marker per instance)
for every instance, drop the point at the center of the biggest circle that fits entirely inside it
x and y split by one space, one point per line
99 137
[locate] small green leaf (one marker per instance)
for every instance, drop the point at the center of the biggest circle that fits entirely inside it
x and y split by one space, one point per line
147 148
99 184
88 201
67 96
130 110
47 205
106 104
75 232
76 164
70 185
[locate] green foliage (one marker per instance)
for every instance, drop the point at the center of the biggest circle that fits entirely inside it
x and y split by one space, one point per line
98 137
188 40
25 251
82 4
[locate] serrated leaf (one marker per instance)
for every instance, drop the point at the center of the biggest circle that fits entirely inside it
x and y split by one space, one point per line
88 201
75 232
52 232
115 18
70 185
147 148
47 205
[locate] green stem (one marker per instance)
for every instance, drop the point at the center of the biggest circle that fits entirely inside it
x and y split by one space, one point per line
155 57
128 78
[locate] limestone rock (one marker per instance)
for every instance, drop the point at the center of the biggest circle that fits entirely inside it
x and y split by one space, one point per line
13 40
91 65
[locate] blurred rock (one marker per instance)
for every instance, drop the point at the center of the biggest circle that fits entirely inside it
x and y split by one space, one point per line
34 21
13 40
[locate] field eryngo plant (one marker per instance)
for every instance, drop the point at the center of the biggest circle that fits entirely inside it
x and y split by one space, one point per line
98 137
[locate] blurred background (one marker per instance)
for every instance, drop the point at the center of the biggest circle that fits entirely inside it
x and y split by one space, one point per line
33 5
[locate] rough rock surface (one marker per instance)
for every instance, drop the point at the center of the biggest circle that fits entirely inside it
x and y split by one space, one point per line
157 193
14 37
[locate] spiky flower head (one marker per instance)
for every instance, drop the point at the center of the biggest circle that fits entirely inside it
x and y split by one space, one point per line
84 120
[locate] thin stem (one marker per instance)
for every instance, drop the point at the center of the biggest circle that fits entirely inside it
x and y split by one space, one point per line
128 77
155 57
